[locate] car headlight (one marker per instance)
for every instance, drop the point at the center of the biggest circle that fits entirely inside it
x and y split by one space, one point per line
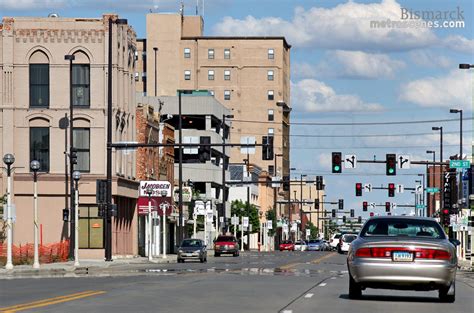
180 250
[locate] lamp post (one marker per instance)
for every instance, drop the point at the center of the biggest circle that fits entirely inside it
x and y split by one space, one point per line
460 193
224 166
428 177
275 191
441 169
164 207
108 216
35 166
301 203
70 58
417 198
9 159
76 175
149 192
423 200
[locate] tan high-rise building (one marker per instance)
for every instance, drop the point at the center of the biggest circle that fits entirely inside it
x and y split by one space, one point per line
249 75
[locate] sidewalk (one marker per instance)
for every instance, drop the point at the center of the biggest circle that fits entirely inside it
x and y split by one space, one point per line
86 267
465 265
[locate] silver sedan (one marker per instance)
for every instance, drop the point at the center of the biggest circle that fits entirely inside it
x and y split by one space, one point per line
405 253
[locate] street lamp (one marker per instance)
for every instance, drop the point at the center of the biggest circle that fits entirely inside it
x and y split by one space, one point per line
464 66
428 177
224 166
164 207
35 166
76 175
108 215
460 130
9 159
70 58
149 192
417 198
441 168
301 203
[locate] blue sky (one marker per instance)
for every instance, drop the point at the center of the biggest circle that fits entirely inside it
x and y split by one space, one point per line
342 71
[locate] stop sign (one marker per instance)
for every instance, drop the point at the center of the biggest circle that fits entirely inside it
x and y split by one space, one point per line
371 214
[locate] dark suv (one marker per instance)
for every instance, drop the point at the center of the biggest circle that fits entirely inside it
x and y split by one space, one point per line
226 244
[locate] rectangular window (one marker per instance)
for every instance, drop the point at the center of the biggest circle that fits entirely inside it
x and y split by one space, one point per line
187 75
227 54
39 147
271 54
270 95
271 168
226 94
187 53
91 228
271 115
81 139
227 75
210 75
39 85
270 75
210 54
81 85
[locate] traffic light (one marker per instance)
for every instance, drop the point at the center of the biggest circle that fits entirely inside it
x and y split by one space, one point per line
319 183
352 212
73 156
204 150
333 213
336 162
444 218
316 204
364 206
387 206
286 183
391 190
391 164
341 204
344 219
371 214
359 219
267 148
65 215
358 189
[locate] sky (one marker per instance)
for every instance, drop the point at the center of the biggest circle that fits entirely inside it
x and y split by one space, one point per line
343 71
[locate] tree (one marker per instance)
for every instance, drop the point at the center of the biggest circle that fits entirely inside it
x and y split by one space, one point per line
271 216
313 230
240 208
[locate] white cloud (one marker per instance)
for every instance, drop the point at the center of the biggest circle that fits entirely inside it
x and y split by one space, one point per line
459 44
345 26
311 95
453 90
32 4
429 59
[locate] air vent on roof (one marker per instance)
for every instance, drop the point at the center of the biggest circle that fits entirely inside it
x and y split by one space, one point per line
53 15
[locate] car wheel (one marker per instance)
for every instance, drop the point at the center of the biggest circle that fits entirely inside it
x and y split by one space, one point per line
217 254
201 260
448 294
236 254
355 290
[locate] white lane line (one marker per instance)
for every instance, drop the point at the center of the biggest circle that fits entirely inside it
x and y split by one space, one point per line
287 311
322 284
309 295
333 277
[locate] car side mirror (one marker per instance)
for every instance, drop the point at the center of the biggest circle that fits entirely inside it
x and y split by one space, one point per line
455 241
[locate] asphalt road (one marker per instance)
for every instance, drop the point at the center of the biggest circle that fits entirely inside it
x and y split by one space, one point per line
269 282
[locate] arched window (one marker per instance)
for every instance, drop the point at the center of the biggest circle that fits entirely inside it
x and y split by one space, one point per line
39 80
81 93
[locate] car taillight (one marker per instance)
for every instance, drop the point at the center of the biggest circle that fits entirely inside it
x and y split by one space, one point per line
386 252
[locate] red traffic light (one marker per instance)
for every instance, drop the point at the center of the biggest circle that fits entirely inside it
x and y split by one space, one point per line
358 189
446 211
387 206
391 190
364 205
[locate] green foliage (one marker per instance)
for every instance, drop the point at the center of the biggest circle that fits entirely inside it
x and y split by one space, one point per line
313 229
271 216
240 208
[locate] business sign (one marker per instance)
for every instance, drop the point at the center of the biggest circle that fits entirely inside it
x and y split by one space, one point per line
199 208
270 224
156 187
158 202
187 194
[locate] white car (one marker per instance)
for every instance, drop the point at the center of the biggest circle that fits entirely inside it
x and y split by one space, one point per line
334 241
345 242
300 245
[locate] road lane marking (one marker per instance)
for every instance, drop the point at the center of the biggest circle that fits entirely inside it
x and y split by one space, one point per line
50 301
309 295
287 311
318 260
322 284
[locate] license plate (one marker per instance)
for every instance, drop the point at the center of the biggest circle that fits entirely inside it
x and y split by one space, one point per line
402 256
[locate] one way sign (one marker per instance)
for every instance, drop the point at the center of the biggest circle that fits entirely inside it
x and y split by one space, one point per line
404 162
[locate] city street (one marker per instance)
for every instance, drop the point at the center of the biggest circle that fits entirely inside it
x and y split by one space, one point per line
254 282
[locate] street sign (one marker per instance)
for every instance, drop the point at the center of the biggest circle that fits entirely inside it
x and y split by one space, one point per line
372 205
308 232
459 164
199 208
275 182
221 219
418 189
393 205
270 224
367 187
234 220
245 221
400 188
209 206
420 206
404 162
209 217
350 161
432 189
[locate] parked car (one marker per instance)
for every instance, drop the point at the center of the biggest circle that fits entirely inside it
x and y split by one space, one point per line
226 245
325 246
315 245
403 252
287 245
345 242
334 241
192 249
300 245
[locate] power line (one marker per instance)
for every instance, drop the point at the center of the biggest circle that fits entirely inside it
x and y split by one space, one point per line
372 147
468 131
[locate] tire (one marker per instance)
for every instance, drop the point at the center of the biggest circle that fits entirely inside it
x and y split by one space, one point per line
445 295
217 254
355 290
201 260
236 254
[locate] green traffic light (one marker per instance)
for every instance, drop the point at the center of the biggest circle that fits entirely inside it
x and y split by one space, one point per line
336 168
390 170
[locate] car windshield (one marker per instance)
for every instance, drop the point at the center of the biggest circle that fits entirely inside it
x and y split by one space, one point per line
191 243
225 239
349 238
300 243
315 241
337 236
403 227
286 242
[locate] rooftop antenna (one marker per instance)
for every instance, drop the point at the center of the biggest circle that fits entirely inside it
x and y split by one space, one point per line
197 6
181 9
